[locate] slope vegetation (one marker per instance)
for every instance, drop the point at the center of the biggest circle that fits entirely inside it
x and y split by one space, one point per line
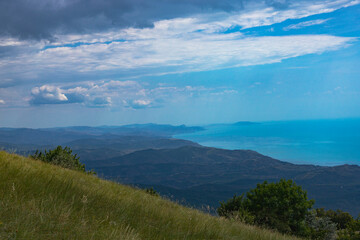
41 201
204 175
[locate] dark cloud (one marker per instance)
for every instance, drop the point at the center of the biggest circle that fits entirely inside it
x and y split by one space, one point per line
34 19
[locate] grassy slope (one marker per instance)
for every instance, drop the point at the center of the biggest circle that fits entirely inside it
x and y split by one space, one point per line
41 201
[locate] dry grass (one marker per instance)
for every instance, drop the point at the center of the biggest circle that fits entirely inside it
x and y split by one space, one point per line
41 201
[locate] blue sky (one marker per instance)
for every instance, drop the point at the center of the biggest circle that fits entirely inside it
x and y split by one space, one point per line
195 62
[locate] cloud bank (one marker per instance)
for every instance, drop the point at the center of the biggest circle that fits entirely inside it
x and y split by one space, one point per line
33 19
115 94
83 42
195 43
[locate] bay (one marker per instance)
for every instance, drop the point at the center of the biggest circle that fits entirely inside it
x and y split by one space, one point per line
318 142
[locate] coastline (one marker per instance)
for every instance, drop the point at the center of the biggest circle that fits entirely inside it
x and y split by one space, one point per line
316 142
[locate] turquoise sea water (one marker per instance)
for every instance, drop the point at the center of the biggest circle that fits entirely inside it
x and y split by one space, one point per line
319 142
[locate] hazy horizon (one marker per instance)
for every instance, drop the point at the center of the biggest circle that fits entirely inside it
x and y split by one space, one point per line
188 125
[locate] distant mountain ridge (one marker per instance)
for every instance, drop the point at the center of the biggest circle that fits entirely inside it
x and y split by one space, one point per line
61 135
240 123
94 143
149 129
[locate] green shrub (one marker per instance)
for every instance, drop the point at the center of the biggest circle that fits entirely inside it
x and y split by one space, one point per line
62 157
282 206
151 191
244 216
348 228
341 218
320 228
352 231
234 204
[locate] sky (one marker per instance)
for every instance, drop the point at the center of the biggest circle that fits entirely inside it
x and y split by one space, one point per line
194 62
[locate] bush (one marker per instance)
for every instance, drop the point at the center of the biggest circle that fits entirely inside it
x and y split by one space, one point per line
282 206
320 228
348 227
62 157
341 218
244 216
235 209
352 231
151 191
232 205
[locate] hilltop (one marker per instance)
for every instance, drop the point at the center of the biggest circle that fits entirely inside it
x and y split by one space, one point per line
41 201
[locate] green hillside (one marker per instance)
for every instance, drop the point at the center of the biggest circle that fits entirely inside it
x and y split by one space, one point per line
42 201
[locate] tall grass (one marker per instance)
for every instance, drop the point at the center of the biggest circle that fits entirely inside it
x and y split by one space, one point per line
41 201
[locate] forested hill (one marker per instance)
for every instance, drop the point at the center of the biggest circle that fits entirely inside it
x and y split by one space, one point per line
204 176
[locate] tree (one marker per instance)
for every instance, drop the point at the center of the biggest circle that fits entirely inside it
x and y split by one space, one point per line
62 157
282 206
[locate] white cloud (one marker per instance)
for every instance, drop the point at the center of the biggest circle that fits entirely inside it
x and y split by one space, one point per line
90 94
305 24
117 94
47 94
7 41
179 54
2 101
295 10
179 45
225 92
138 103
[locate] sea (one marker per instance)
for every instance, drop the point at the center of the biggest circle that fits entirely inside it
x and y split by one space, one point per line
317 142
